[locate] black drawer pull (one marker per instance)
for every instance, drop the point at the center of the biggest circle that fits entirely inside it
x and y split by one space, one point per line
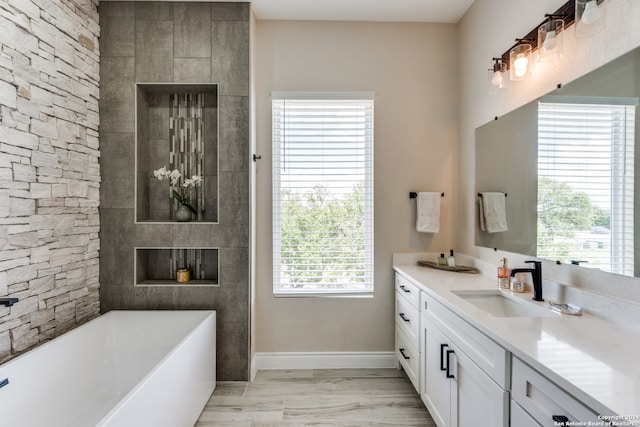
442 347
405 289
449 374
404 318
4 382
404 355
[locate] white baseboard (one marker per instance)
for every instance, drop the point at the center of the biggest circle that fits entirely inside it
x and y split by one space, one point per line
324 360
254 368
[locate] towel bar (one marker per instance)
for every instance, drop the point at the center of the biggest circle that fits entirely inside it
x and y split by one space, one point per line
413 195
480 194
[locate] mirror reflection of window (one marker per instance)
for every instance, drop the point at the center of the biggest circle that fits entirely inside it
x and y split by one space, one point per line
586 182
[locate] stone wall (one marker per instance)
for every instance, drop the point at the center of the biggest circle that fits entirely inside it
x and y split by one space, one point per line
49 171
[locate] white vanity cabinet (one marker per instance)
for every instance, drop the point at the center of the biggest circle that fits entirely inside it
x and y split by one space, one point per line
466 379
407 326
542 400
464 375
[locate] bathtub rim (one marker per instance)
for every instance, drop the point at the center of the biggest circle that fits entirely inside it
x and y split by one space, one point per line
101 316
132 392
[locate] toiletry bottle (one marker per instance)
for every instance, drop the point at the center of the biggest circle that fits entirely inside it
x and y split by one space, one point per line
519 283
442 260
451 261
504 274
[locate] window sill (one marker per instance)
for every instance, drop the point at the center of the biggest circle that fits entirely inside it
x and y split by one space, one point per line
344 294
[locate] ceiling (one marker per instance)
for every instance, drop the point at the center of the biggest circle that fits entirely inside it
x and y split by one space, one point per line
447 11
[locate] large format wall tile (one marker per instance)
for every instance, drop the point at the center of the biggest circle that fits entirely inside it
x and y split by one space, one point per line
163 42
192 23
230 57
196 70
117 29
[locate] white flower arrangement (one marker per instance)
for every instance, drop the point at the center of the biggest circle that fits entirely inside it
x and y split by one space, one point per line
174 176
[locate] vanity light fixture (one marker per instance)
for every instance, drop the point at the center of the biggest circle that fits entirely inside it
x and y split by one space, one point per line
498 76
520 61
547 37
589 15
550 39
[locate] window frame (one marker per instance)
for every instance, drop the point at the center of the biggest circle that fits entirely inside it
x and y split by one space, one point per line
368 240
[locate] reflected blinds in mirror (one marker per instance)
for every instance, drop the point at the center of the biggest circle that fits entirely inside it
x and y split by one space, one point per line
586 183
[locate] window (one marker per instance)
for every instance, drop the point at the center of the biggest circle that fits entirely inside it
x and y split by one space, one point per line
586 182
322 193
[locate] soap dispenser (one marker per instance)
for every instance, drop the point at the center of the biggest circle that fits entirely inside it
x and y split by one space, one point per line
504 274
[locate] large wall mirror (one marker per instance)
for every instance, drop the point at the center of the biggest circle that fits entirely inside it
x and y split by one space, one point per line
566 163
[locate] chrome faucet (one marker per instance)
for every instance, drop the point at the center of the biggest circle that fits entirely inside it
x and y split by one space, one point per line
536 276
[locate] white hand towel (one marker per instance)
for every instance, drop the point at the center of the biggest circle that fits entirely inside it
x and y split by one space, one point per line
428 212
483 225
494 210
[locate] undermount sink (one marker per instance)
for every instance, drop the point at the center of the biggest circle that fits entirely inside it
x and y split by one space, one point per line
500 304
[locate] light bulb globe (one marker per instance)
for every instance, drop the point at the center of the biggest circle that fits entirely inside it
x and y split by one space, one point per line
497 79
550 41
521 62
591 12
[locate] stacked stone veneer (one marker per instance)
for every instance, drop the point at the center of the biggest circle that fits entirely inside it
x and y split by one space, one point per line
49 171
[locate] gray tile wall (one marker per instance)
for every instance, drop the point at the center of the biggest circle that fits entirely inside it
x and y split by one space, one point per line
177 42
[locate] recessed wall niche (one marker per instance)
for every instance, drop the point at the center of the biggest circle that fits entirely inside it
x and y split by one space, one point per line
176 128
159 266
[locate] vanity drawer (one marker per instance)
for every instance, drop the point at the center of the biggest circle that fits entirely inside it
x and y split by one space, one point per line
408 290
407 318
519 418
409 358
493 359
543 399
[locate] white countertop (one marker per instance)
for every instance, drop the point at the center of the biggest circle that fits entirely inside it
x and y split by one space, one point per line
592 359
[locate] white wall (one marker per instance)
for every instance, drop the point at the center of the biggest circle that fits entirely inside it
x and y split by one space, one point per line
487 30
412 69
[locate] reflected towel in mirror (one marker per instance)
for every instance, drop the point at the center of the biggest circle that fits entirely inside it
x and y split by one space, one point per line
428 212
493 214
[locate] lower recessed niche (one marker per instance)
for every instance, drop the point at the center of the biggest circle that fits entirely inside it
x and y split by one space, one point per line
159 266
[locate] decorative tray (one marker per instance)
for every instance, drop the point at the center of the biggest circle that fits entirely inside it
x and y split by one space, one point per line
455 268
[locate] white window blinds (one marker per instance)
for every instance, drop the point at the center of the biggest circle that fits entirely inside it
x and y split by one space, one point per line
322 193
586 183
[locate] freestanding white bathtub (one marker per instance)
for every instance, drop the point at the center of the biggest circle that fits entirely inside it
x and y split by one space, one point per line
124 368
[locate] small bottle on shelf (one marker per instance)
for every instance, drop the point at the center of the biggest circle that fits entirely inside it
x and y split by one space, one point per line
504 274
451 261
442 260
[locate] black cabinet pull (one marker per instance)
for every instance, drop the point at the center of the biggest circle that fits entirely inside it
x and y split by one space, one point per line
405 289
560 418
404 355
449 374
404 318
442 347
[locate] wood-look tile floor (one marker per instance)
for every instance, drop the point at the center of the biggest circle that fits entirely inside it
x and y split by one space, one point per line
318 398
